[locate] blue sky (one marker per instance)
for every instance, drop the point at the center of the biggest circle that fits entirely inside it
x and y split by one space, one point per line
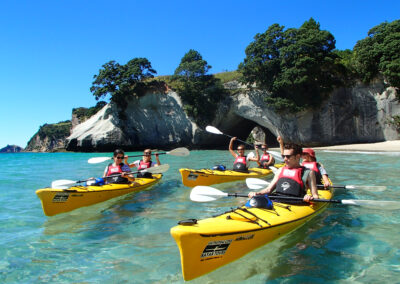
50 50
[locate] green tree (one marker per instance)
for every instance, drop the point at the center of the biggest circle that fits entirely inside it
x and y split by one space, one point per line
379 53
121 81
199 91
296 66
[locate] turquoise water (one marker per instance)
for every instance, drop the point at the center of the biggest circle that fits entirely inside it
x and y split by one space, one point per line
127 240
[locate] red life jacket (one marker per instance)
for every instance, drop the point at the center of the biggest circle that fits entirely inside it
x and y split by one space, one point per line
114 173
240 164
265 158
314 167
144 165
290 182
112 170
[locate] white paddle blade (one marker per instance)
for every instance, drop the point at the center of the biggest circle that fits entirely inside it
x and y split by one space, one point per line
157 170
374 204
276 155
250 155
97 160
273 169
62 183
206 193
256 183
373 188
181 152
212 129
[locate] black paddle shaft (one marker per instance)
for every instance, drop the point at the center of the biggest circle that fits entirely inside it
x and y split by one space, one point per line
287 198
238 140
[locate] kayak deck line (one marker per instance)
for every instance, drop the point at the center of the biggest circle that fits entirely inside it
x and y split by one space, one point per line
265 227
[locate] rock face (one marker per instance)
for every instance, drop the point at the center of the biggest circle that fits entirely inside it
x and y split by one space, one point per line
11 149
155 120
350 115
50 138
359 114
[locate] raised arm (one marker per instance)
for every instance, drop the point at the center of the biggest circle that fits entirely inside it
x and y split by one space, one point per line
280 140
157 159
231 147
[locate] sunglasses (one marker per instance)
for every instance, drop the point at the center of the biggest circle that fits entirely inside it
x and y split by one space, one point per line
263 148
119 158
287 156
240 149
147 154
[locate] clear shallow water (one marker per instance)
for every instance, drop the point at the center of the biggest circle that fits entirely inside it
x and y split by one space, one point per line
127 239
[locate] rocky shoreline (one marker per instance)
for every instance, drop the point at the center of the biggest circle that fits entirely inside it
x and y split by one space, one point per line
362 114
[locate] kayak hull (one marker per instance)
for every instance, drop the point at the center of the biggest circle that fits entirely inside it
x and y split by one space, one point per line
217 241
192 178
56 201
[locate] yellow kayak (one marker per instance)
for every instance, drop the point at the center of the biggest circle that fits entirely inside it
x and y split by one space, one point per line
56 201
208 244
192 178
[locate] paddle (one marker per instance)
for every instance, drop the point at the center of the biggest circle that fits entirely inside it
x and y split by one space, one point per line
256 183
181 152
207 193
214 130
65 183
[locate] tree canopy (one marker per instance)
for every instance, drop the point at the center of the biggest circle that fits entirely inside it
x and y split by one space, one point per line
379 53
199 91
121 81
296 66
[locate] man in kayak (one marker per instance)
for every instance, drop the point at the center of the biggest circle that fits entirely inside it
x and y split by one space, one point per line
241 160
266 159
118 172
145 163
292 179
310 161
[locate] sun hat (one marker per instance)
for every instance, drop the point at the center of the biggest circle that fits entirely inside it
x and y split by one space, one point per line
310 152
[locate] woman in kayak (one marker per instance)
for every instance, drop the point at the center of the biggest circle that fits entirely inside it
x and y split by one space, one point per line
310 161
145 163
118 172
292 179
241 160
266 159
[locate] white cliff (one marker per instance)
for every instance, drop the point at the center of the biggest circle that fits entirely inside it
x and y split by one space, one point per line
350 115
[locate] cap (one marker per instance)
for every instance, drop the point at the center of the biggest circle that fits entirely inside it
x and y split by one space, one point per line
310 152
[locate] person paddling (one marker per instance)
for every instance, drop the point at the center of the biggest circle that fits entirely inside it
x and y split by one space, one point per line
145 163
241 160
118 172
292 179
310 161
266 159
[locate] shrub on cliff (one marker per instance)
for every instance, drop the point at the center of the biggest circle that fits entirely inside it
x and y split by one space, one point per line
83 113
199 91
121 81
55 131
379 53
297 67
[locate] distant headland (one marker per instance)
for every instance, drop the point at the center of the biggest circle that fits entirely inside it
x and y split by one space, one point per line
11 149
